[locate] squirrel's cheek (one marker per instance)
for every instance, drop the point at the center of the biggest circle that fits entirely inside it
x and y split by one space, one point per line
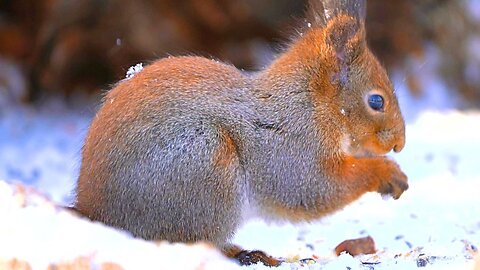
347 145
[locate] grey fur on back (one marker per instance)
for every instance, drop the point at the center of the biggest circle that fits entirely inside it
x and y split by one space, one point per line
153 162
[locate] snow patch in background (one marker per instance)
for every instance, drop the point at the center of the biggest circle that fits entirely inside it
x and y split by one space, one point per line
440 99
41 147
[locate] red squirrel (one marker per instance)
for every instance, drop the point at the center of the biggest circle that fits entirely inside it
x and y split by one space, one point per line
183 150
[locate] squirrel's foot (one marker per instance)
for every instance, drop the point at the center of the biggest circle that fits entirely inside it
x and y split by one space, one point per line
246 257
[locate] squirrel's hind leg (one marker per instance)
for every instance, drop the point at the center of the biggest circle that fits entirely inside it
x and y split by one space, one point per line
247 257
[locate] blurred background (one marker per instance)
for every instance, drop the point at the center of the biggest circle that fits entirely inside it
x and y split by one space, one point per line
75 49
57 58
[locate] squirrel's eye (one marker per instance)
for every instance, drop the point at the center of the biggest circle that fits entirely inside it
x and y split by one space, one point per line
375 102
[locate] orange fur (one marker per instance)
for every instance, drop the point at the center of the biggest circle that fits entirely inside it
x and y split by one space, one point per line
227 152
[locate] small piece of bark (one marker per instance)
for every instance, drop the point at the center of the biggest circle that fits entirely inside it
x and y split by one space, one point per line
354 247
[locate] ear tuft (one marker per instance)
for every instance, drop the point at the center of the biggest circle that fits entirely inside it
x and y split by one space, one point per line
343 22
320 12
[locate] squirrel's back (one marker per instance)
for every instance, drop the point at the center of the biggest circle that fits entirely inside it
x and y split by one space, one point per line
163 140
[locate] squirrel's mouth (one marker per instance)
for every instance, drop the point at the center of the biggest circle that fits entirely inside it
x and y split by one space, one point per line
366 153
368 148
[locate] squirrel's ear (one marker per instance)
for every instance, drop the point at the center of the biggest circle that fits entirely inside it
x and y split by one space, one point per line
347 37
344 25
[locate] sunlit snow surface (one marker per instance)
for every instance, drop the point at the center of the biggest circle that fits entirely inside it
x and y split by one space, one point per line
437 219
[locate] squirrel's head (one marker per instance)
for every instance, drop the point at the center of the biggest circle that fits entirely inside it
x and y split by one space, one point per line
350 81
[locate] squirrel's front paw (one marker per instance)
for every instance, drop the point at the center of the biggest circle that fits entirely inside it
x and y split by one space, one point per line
395 182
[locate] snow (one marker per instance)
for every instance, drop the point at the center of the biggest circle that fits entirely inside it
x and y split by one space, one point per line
41 147
36 231
133 70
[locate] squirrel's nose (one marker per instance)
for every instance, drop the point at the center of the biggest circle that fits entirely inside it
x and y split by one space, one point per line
400 142
398 147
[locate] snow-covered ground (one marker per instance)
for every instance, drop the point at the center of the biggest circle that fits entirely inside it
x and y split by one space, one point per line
436 223
37 234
